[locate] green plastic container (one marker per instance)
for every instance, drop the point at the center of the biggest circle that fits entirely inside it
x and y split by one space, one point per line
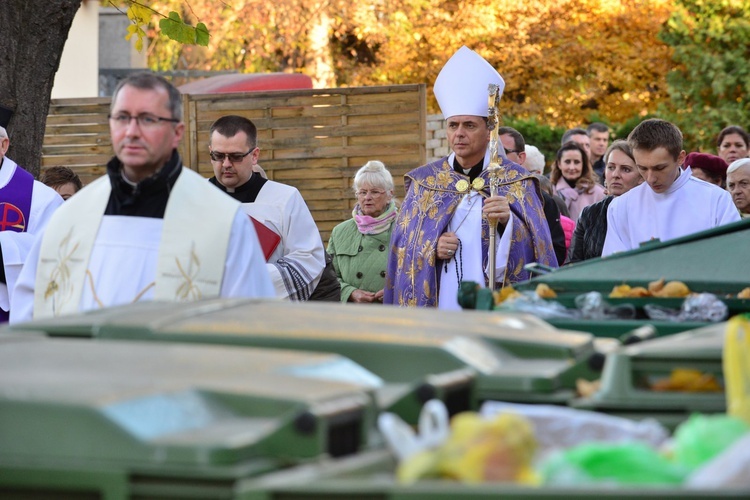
631 374
369 476
115 420
435 353
713 261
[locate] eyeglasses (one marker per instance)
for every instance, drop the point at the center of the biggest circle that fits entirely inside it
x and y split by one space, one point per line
233 157
376 193
509 151
144 121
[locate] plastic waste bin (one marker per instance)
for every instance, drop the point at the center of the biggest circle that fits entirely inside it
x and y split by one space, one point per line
712 261
514 357
633 379
115 420
370 476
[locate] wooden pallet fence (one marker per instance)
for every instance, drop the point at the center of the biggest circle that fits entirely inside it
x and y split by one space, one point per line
312 139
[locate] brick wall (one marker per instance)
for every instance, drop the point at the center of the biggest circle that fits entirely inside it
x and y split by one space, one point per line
437 143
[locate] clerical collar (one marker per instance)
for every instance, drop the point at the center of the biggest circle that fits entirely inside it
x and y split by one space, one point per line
246 193
473 172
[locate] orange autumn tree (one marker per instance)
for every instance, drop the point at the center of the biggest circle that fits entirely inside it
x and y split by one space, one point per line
563 62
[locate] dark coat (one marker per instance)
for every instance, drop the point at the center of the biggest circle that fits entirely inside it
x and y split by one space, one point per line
591 229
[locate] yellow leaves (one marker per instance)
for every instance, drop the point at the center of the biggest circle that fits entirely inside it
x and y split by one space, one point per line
139 16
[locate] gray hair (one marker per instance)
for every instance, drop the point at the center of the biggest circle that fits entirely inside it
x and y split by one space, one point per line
150 81
738 164
3 133
375 174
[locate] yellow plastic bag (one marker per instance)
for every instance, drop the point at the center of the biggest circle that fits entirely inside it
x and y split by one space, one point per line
737 367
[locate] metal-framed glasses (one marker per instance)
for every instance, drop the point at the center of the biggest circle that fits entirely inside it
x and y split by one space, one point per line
233 157
146 120
376 193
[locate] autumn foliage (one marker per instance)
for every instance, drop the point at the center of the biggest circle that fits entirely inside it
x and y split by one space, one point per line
564 62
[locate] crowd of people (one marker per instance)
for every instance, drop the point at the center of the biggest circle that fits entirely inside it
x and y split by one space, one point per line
142 231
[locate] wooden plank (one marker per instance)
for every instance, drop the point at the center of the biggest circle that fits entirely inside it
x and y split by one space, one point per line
70 161
77 150
80 140
83 129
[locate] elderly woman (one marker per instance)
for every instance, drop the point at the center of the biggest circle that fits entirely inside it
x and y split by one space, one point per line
620 176
574 180
360 245
733 143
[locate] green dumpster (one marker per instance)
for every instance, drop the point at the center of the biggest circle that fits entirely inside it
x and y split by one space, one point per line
515 357
115 420
632 382
369 476
712 261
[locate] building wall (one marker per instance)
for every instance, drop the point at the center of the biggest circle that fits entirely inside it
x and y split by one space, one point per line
437 142
78 75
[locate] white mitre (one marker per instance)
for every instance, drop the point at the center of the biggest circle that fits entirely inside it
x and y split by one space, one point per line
461 87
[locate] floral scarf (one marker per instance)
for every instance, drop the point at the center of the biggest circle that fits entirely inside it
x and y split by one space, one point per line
374 225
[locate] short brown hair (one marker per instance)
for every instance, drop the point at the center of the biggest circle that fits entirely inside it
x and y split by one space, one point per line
231 125
655 133
59 176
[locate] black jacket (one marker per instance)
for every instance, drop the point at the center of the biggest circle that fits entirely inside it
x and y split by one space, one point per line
591 229
552 214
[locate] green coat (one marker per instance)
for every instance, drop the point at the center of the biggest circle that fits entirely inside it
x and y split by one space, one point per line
359 259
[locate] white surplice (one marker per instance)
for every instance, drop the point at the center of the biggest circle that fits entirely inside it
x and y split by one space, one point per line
297 263
124 257
689 205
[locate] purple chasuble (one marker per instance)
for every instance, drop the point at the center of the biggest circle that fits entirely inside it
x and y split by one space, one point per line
15 202
431 199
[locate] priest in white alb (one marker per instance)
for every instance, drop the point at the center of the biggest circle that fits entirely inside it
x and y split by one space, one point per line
672 202
150 229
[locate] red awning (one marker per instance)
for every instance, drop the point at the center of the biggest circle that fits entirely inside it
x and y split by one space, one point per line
222 84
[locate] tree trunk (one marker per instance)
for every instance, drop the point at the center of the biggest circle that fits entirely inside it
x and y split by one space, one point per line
33 34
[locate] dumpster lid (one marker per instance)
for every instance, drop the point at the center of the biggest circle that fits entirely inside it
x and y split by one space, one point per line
683 259
520 334
165 403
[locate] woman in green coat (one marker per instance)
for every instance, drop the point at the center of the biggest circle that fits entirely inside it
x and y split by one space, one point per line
359 246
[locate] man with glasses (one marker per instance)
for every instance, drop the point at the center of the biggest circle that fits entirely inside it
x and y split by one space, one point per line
150 229
298 259
26 206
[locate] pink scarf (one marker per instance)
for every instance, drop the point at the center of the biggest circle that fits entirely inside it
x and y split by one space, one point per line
374 225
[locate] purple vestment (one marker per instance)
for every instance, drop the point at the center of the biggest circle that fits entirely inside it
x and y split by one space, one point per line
15 202
431 199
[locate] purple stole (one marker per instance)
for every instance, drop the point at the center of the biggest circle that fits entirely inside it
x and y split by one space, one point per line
431 199
15 206
15 202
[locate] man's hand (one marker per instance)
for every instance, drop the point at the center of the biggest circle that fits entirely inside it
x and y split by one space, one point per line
497 209
362 296
447 245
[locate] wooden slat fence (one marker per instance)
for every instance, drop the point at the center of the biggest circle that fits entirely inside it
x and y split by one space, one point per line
314 139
